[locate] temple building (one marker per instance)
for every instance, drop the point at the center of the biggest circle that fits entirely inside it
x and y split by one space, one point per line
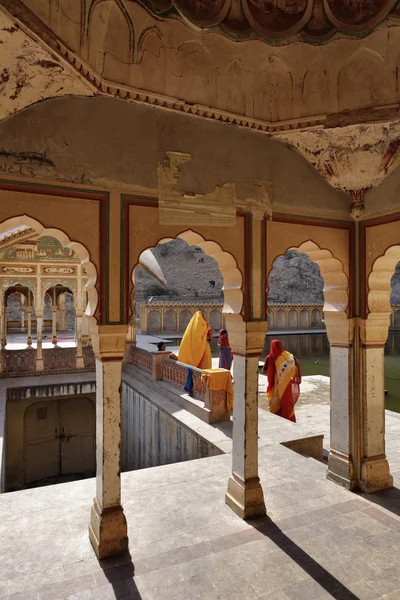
244 129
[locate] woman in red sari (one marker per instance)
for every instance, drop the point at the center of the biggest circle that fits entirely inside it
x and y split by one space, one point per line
284 377
225 352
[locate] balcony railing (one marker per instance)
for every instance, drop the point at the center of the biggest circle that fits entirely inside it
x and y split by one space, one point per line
175 373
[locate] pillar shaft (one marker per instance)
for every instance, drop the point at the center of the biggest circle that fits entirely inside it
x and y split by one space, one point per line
39 333
62 312
244 493
375 472
108 528
29 316
4 326
78 338
54 324
357 455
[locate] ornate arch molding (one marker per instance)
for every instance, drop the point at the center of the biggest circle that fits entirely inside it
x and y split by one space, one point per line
63 238
336 285
233 279
315 20
379 308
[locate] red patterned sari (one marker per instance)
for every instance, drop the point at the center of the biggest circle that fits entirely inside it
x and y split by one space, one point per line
283 381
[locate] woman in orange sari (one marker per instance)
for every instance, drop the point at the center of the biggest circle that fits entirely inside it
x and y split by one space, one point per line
284 378
195 347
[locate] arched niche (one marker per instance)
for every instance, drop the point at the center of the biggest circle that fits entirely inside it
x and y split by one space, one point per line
336 287
110 39
62 237
315 90
233 280
379 308
273 91
364 80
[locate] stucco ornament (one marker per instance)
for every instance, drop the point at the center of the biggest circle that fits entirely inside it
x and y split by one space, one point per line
277 20
260 204
217 208
353 159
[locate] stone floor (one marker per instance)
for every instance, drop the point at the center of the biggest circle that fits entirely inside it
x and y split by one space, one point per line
318 541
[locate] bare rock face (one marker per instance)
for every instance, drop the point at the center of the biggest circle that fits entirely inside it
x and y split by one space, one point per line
295 279
188 271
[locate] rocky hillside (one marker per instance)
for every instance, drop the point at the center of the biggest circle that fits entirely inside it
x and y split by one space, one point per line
192 274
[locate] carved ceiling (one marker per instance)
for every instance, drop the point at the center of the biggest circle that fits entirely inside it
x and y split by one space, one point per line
276 21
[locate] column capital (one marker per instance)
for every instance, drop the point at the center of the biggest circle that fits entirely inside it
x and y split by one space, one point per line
246 337
374 330
109 341
339 327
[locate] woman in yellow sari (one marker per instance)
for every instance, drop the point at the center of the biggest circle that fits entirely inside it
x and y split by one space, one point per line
195 348
284 378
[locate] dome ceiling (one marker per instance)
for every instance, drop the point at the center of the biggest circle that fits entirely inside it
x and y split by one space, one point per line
275 21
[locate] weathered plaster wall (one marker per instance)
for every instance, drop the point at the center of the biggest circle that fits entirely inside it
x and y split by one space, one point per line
152 436
108 142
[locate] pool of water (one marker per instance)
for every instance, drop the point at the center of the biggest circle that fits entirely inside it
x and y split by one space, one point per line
312 350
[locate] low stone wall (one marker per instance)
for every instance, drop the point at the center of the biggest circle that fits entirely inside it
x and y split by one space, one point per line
153 433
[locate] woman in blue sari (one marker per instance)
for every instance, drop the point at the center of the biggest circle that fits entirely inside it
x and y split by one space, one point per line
225 352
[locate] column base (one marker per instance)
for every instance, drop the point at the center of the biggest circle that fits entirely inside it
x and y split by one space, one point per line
341 470
54 340
245 497
375 474
39 364
108 531
80 363
29 341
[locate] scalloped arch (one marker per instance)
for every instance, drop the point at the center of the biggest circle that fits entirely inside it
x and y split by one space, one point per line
63 238
336 286
233 280
379 288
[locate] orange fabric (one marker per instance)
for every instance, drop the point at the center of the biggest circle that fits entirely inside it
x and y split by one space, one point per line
195 349
219 379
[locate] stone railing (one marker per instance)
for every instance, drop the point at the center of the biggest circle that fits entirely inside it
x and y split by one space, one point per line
18 361
140 358
57 359
88 357
175 373
158 317
15 363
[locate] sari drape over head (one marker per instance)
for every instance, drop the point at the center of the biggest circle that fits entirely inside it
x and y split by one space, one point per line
281 371
195 349
225 352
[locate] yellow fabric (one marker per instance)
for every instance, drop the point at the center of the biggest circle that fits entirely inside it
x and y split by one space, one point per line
285 371
194 349
219 379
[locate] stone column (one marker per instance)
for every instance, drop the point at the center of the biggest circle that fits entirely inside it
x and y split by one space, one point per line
39 333
244 494
375 472
85 330
4 326
341 465
108 528
78 338
62 312
54 324
357 455
22 313
29 315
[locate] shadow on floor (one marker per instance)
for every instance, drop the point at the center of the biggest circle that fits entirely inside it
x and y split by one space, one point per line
317 572
120 572
389 499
